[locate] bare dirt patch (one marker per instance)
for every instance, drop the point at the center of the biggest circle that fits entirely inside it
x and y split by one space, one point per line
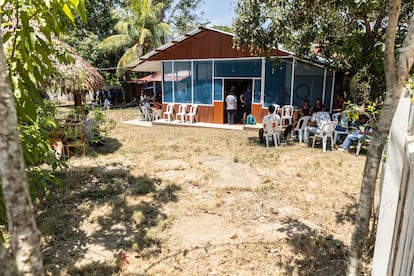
188 201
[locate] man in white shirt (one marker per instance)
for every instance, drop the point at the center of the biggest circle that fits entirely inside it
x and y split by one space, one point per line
231 106
271 116
315 124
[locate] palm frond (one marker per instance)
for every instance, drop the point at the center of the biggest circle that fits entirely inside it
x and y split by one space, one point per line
116 42
132 54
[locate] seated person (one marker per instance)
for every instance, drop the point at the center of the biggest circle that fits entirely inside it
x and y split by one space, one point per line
305 109
342 122
315 124
148 105
157 110
338 104
362 131
271 116
318 106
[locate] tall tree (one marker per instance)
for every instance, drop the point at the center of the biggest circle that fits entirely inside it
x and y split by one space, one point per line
26 38
345 33
182 15
87 36
139 30
398 61
376 37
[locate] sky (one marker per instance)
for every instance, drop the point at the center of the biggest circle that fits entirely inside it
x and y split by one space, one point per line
219 12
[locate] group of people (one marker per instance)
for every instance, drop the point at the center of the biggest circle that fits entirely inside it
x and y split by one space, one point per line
361 127
245 107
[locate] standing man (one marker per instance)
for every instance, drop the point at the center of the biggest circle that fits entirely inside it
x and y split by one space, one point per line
231 105
246 102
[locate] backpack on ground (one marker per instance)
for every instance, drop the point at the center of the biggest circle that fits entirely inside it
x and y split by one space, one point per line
250 120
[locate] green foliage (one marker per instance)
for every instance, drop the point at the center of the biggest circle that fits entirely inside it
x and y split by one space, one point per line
29 29
370 108
182 16
138 30
345 33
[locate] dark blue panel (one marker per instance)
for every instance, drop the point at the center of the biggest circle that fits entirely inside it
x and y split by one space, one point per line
218 90
238 68
278 82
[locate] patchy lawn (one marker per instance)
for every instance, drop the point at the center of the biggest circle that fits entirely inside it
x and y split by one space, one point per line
167 200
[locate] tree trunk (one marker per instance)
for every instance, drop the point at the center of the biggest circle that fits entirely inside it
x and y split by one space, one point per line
396 76
25 237
10 269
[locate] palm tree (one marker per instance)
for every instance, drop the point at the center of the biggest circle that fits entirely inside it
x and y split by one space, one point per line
139 30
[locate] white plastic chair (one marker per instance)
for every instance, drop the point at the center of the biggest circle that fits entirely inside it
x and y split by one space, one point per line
182 111
343 122
146 114
277 108
270 128
300 127
326 131
360 143
335 116
169 112
191 115
156 114
287 114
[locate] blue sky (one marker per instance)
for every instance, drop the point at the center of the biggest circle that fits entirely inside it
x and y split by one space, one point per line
219 12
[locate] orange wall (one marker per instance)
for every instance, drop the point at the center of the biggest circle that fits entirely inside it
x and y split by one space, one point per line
218 111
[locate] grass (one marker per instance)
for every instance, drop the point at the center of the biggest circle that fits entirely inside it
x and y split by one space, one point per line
274 211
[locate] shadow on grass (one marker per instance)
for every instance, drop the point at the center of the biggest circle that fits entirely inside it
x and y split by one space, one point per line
321 254
349 211
101 212
111 146
313 252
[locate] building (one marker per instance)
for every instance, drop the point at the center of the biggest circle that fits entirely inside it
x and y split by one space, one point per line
201 66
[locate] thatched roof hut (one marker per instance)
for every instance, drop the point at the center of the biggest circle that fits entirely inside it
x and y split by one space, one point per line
79 77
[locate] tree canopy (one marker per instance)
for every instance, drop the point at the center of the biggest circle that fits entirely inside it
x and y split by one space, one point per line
349 34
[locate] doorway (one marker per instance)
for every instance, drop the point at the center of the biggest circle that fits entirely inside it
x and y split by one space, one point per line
240 85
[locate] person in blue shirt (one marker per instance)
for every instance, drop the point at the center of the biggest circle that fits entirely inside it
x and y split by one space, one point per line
362 130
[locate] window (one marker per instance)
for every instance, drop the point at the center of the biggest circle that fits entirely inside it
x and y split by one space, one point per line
278 82
188 82
167 81
182 82
203 78
218 89
257 91
238 68
308 83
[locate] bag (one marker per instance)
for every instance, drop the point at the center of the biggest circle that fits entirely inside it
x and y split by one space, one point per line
250 120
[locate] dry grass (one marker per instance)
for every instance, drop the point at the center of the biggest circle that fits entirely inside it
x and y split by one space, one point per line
192 201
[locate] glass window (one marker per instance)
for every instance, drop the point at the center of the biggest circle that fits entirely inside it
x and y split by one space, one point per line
182 82
203 78
218 89
238 68
257 91
167 81
308 83
278 82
